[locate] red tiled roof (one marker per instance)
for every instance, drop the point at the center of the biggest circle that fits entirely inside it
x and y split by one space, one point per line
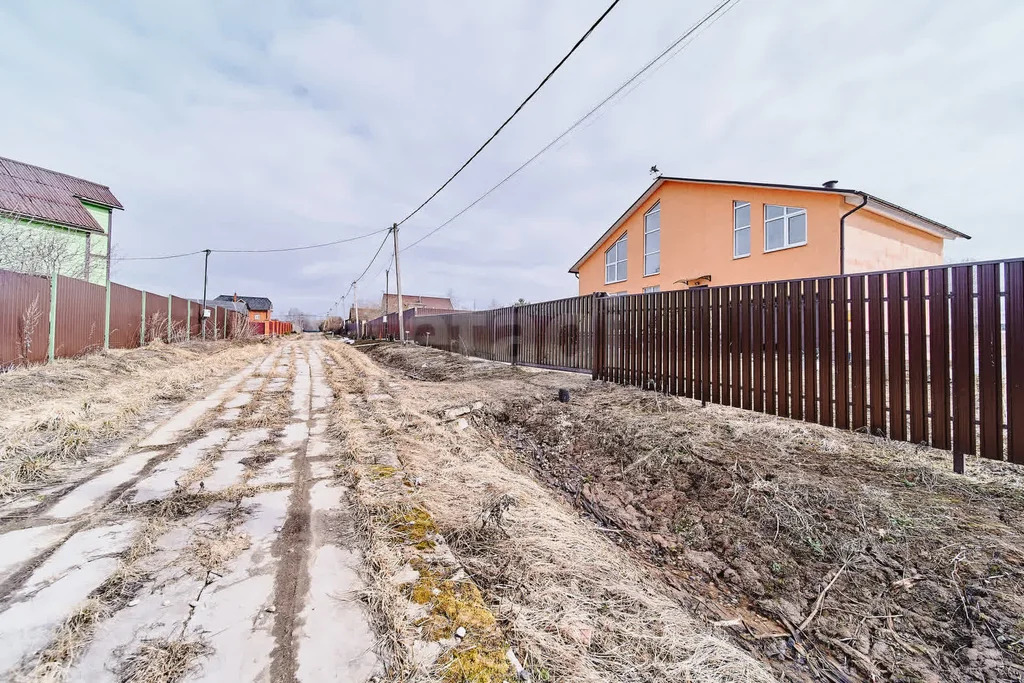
38 193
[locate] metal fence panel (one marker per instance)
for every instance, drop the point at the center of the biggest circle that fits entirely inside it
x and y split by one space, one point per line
125 317
81 308
24 318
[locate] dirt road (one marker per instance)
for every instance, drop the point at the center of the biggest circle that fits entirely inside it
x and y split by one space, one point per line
217 547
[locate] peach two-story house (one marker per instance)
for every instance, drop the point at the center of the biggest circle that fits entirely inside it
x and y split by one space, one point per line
692 232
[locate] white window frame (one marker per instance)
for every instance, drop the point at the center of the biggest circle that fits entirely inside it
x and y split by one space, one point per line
788 212
623 261
736 206
653 289
654 209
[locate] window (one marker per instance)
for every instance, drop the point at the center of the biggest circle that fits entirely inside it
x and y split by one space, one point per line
652 241
740 229
652 290
615 261
257 316
784 227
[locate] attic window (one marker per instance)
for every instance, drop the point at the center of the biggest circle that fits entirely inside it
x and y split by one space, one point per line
652 241
615 262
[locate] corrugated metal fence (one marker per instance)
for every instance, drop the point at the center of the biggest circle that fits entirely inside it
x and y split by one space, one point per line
929 355
38 320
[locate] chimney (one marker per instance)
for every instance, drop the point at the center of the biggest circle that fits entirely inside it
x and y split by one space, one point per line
830 184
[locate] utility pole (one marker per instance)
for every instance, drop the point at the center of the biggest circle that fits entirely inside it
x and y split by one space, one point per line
398 287
387 275
355 300
206 272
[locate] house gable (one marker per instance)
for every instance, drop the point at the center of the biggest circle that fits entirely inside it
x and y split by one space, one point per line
698 221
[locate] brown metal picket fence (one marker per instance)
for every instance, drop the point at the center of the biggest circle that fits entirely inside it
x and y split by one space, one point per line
39 320
926 355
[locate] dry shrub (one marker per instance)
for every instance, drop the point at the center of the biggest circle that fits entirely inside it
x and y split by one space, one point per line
28 323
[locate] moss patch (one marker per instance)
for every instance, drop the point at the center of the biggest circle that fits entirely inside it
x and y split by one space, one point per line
476 665
375 472
414 525
480 656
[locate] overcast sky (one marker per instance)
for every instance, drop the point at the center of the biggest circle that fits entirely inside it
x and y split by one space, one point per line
234 124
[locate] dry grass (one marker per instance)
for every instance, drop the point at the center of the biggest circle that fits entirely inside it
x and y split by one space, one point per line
75 633
163 661
872 555
215 549
71 638
55 413
575 606
579 606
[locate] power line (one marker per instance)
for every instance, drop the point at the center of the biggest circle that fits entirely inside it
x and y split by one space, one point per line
308 246
711 16
513 115
157 258
375 255
254 251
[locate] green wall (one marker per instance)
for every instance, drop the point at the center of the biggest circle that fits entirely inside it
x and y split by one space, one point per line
72 244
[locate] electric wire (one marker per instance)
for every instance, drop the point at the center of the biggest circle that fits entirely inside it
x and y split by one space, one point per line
255 251
514 113
716 12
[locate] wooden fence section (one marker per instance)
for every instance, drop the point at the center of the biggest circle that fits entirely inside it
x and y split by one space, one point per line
39 320
929 355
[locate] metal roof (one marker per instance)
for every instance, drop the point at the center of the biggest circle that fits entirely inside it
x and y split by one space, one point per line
390 301
37 193
237 306
255 303
874 203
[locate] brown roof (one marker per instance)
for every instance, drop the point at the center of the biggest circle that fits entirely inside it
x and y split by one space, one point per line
365 313
38 193
390 301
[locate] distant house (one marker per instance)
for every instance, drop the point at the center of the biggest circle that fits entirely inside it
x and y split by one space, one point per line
51 221
365 313
260 308
236 306
389 302
693 232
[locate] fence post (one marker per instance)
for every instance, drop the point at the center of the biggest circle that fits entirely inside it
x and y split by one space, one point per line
142 327
515 334
52 342
170 298
106 314
597 335
188 320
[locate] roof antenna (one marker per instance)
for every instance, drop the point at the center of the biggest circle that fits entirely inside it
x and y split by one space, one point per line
655 171
830 184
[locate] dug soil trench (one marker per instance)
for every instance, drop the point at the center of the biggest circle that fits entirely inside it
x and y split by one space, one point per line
824 555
